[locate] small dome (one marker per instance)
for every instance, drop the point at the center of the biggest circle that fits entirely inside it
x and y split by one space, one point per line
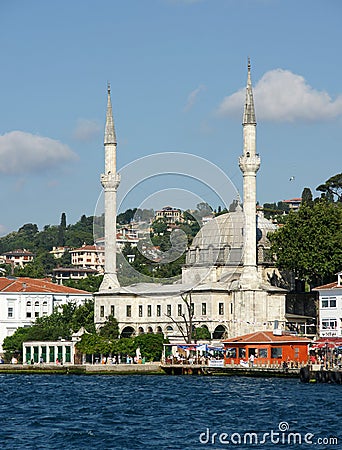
264 226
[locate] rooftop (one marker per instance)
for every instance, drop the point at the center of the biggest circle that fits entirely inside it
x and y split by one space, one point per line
37 285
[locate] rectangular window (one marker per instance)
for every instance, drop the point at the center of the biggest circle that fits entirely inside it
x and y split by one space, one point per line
242 353
102 311
28 314
276 352
204 309
10 312
168 310
180 310
221 309
36 314
149 310
158 310
328 302
231 352
112 310
140 311
296 352
262 353
329 324
128 310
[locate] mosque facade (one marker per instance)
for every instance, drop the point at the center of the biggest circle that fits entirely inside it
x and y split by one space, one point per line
227 285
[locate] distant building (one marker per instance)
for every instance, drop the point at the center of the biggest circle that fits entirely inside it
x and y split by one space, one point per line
23 300
293 203
18 258
88 257
330 308
123 236
72 273
171 215
58 252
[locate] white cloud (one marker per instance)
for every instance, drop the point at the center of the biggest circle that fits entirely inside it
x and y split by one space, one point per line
192 97
86 129
22 153
283 96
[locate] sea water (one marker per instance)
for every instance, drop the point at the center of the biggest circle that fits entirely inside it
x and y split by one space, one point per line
167 412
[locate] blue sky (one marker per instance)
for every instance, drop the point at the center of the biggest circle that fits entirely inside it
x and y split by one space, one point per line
177 70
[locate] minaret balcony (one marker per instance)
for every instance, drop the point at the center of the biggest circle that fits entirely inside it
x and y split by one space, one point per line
110 181
249 163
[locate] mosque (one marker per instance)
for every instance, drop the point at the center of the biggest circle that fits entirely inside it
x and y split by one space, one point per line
228 285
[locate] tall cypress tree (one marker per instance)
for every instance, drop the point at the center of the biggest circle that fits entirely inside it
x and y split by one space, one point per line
61 231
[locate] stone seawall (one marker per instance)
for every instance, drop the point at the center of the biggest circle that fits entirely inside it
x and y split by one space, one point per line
84 369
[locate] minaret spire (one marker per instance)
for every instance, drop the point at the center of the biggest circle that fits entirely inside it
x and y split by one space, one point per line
249 164
110 181
110 136
249 113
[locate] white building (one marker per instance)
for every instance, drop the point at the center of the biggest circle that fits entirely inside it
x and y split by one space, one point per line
18 258
330 308
23 300
49 352
88 257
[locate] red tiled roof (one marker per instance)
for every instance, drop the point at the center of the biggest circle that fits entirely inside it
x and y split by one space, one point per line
333 285
25 284
292 200
265 337
84 248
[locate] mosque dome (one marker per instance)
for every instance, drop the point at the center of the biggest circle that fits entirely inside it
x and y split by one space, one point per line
221 241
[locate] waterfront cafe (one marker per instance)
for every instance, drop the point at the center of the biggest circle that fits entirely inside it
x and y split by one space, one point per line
175 353
266 348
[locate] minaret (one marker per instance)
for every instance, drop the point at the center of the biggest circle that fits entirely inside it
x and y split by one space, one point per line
110 181
249 164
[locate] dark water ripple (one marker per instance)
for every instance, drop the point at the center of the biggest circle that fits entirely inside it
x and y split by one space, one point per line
160 412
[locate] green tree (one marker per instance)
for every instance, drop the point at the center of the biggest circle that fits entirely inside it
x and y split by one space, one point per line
110 330
61 231
90 283
201 333
150 345
307 198
159 226
332 187
310 242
